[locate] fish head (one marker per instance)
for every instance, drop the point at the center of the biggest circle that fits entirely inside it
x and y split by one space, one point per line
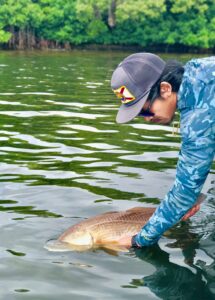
77 238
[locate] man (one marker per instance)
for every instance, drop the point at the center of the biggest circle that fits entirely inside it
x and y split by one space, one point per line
154 89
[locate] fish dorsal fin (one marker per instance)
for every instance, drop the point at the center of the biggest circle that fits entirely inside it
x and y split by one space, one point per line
139 209
109 212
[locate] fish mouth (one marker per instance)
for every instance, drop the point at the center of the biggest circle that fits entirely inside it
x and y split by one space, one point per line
60 246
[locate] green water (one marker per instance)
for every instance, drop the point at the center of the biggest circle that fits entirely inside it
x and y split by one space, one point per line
63 159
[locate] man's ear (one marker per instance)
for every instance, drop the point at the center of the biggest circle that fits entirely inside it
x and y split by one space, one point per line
165 89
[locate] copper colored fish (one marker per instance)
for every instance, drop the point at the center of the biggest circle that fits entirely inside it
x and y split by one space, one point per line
104 230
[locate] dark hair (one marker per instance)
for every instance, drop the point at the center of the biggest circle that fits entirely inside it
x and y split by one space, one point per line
172 73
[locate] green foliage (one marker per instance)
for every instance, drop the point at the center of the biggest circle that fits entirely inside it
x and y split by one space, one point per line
139 10
123 22
4 36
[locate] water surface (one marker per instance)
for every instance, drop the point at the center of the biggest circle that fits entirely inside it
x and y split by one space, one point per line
63 159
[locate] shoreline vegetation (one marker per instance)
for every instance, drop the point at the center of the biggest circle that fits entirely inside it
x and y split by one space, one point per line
163 25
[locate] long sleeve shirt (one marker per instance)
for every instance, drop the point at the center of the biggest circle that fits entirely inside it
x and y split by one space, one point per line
196 103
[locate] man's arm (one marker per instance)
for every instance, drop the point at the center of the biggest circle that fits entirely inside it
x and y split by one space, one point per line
195 160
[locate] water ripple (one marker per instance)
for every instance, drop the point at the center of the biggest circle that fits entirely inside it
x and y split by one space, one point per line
89 128
28 114
63 159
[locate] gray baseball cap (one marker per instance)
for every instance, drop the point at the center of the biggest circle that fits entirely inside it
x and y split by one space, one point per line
132 81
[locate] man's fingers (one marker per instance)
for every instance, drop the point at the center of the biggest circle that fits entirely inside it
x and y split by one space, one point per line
191 212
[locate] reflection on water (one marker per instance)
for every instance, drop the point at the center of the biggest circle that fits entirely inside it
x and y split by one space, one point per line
62 159
170 280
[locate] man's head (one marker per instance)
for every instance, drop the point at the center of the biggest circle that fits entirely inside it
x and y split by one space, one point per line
147 86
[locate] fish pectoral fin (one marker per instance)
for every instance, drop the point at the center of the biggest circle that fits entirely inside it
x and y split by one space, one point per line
114 247
200 199
111 252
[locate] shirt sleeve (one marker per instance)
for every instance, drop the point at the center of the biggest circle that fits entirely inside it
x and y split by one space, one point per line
195 160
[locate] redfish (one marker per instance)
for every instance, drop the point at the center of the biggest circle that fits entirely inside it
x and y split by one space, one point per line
105 230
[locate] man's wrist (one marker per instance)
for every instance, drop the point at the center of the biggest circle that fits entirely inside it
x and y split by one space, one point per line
133 242
139 241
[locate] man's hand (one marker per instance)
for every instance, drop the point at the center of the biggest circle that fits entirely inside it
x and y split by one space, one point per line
191 212
125 241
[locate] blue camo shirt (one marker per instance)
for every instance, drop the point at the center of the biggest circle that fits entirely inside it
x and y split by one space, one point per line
196 103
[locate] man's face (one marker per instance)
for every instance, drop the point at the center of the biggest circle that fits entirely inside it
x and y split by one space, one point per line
163 111
163 108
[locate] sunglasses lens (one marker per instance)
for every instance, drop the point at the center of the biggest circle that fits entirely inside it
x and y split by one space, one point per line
145 114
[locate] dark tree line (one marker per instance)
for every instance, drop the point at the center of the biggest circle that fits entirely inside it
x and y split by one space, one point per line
26 24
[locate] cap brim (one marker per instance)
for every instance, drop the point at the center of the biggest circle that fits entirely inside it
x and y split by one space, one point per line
127 113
